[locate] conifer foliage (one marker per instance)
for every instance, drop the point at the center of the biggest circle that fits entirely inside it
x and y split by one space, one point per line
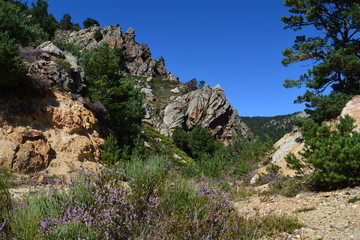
334 53
334 155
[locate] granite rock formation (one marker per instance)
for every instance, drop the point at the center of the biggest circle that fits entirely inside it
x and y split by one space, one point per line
137 57
207 107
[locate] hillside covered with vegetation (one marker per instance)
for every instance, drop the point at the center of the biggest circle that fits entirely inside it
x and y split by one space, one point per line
153 184
274 127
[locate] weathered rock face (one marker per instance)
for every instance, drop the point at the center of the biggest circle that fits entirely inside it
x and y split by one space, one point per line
137 57
207 107
59 68
52 131
352 109
59 136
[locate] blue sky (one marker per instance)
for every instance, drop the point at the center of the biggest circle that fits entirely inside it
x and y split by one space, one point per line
234 43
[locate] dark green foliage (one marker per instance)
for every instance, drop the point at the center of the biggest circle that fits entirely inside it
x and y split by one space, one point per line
89 22
39 15
201 84
120 97
111 153
334 155
191 85
98 36
14 21
196 142
12 70
274 127
100 62
66 24
326 107
335 53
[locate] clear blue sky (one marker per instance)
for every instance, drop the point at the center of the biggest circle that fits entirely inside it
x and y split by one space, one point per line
234 43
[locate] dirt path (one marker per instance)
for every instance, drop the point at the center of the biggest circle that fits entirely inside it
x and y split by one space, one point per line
327 215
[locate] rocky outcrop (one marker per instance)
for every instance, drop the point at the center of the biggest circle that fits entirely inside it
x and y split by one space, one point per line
53 131
60 135
59 68
207 107
137 57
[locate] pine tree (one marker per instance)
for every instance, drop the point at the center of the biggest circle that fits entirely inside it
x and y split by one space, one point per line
334 155
334 53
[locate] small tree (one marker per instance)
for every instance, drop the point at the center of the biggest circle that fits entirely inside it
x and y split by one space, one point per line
40 16
89 22
333 155
66 24
120 97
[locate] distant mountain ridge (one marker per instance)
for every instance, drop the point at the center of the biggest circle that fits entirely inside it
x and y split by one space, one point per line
275 127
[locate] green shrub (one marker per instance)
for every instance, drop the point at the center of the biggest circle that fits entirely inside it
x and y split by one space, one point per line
196 142
63 64
12 70
112 153
98 35
178 197
15 22
41 17
332 154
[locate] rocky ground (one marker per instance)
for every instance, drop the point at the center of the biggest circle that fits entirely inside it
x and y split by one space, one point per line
325 215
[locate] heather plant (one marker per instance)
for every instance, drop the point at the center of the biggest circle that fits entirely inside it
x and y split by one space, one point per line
333 155
30 55
152 205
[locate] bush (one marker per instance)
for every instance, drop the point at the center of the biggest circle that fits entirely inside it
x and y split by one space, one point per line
89 22
12 70
98 35
196 142
332 154
16 23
